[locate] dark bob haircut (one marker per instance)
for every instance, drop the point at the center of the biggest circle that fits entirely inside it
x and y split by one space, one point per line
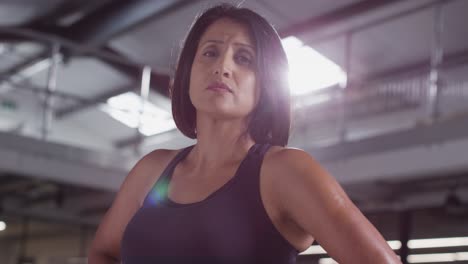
270 120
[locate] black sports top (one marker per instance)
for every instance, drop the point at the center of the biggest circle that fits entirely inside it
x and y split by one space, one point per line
229 226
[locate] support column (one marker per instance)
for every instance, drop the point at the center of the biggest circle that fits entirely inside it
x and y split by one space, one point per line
47 111
342 94
437 52
144 94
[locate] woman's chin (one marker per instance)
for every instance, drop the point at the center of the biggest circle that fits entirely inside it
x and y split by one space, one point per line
222 113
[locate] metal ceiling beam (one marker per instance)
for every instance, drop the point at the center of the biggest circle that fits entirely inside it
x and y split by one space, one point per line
377 22
105 55
67 13
450 60
66 111
69 46
107 22
40 90
118 17
61 163
43 235
335 16
51 215
423 135
17 69
367 106
159 82
64 14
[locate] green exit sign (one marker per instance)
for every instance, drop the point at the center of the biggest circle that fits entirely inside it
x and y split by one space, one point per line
8 105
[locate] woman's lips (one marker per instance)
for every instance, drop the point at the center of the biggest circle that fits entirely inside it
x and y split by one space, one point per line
219 86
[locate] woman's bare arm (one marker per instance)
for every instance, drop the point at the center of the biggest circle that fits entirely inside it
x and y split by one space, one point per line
105 248
313 200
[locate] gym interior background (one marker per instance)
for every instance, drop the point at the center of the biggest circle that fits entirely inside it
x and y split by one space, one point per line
83 95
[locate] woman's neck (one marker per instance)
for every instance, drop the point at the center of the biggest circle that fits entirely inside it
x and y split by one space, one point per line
220 142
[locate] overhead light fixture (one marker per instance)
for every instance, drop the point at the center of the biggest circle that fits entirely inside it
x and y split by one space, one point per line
310 71
327 261
318 250
438 257
313 250
33 69
126 108
2 225
394 244
438 242
3 48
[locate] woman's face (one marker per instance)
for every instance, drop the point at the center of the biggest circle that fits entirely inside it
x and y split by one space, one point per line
223 79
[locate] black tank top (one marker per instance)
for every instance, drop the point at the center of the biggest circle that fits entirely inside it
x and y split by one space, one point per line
229 226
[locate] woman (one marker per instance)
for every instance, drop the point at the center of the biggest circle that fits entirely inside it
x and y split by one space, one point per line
238 195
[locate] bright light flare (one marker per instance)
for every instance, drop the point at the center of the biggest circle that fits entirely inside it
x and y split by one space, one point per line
308 69
126 109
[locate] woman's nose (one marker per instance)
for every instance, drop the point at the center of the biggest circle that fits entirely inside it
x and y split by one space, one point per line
223 67
225 73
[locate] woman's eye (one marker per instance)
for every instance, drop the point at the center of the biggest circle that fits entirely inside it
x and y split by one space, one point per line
209 53
244 60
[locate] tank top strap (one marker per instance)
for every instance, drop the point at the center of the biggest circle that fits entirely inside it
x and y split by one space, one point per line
158 192
178 157
257 156
250 171
262 149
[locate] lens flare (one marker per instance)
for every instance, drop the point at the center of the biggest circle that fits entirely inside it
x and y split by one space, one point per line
158 193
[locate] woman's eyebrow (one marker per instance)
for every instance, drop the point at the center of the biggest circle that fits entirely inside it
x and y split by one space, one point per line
245 45
235 43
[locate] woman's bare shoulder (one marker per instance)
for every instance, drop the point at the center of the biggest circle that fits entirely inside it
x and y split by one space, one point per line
128 200
278 155
157 157
279 160
152 164
294 162
145 173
